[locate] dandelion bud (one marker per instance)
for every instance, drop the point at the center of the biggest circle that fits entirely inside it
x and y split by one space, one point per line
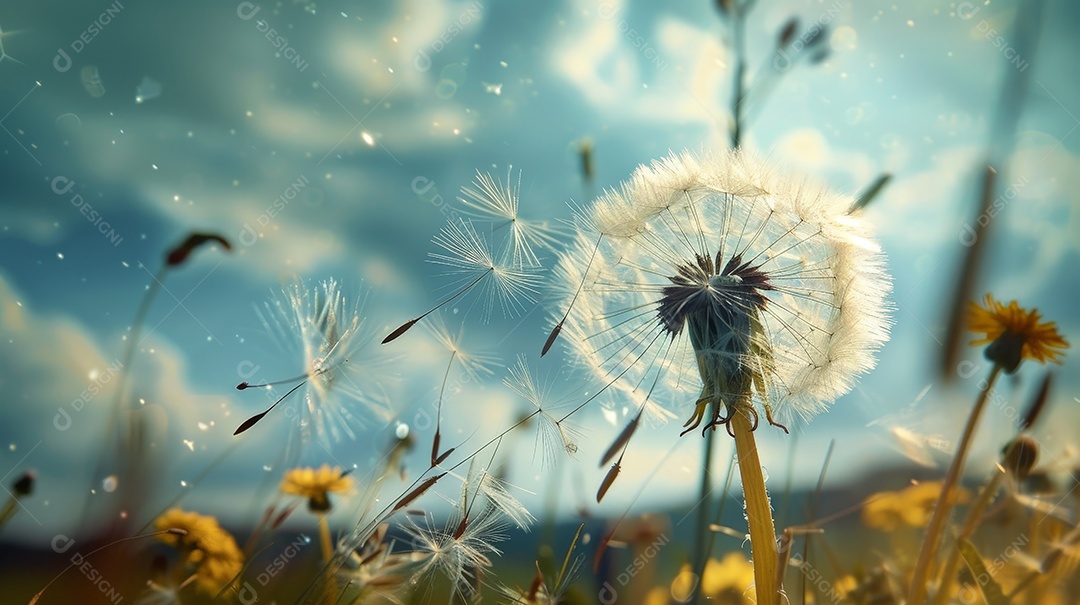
24 486
180 253
1039 482
788 32
1020 456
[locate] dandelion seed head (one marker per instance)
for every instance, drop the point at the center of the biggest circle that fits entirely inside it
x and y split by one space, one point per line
715 273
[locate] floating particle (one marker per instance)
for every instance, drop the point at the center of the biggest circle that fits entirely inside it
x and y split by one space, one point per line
402 431
109 484
91 81
844 38
147 89
370 140
445 88
495 89
190 444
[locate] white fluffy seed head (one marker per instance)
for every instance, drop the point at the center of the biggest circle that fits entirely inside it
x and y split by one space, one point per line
824 313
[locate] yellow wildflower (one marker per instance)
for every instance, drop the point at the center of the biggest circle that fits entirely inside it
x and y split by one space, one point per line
207 547
316 485
881 511
1014 334
727 580
910 507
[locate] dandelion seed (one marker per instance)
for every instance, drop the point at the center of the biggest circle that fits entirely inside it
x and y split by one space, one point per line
712 273
483 487
552 433
474 363
468 256
339 368
374 572
489 199
460 549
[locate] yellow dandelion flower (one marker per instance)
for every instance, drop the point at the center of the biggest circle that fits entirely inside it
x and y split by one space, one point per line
683 585
657 595
845 585
729 579
882 511
1014 334
916 503
316 485
911 506
208 548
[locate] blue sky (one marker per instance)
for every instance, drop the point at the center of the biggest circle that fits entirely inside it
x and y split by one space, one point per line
358 101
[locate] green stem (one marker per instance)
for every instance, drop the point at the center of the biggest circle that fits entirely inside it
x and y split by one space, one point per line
702 535
943 508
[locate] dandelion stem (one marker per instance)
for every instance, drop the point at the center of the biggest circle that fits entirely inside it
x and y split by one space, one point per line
758 511
943 507
327 553
324 538
975 514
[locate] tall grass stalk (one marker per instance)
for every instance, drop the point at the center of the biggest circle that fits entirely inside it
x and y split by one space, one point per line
943 508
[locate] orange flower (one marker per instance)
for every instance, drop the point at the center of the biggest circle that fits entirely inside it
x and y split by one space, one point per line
1014 334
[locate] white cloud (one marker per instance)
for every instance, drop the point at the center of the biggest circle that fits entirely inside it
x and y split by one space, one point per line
62 384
